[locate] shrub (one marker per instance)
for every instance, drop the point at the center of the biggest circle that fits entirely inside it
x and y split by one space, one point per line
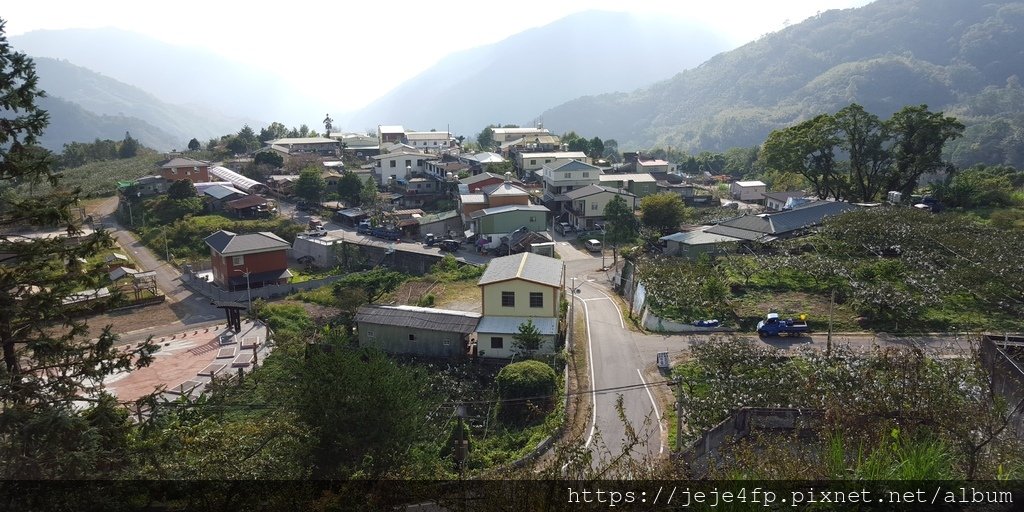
526 389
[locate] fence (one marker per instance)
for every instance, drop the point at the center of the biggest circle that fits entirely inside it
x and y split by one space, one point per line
1007 377
217 293
700 455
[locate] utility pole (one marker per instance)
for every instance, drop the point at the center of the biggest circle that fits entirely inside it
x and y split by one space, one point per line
572 316
831 303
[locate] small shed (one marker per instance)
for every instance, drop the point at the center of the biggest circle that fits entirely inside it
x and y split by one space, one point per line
748 190
412 330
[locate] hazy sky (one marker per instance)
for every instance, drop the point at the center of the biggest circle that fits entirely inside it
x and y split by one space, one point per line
257 32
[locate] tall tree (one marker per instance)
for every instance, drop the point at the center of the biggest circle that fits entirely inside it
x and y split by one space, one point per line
50 365
807 148
620 225
918 138
350 189
276 130
663 212
369 197
862 135
271 158
310 185
194 145
486 138
129 147
181 189
527 340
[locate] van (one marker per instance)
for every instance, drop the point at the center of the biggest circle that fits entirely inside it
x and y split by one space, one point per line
593 245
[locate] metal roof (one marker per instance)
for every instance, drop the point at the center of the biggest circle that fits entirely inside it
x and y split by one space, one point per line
783 196
179 162
228 243
547 326
247 202
751 184
590 190
395 128
236 179
805 216
221 191
505 189
510 208
526 266
430 319
638 177
301 140
700 237
571 155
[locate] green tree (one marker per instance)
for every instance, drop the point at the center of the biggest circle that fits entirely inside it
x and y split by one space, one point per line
808 149
182 189
275 131
918 136
611 151
50 365
527 391
369 197
527 340
620 225
310 185
341 393
486 138
663 212
237 146
350 189
975 187
271 158
194 145
596 148
129 147
863 136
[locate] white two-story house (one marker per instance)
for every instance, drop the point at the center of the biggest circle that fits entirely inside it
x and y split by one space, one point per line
561 178
586 205
400 165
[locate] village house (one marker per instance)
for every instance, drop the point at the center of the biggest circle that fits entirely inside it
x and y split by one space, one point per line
217 195
777 201
515 289
250 260
748 190
505 193
785 224
390 134
321 146
638 184
430 142
506 219
180 168
528 165
586 205
692 244
400 165
411 330
565 176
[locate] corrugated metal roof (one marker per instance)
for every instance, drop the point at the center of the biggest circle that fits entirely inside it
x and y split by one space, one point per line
510 324
221 191
184 162
699 238
431 319
525 266
637 177
301 140
236 179
751 183
511 208
505 189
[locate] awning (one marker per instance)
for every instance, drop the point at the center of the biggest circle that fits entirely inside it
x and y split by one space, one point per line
260 277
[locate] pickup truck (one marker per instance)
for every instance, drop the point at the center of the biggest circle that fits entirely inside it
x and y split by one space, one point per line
317 231
772 325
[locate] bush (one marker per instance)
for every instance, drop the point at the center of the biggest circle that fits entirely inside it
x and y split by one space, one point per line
526 389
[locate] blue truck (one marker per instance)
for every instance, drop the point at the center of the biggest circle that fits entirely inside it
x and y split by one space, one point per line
772 325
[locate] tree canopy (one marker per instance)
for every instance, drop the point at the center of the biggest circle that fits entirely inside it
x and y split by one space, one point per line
310 185
880 155
663 212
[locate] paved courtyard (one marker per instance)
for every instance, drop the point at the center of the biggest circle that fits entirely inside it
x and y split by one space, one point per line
188 361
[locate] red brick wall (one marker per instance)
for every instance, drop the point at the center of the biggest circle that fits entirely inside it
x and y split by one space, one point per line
223 267
187 173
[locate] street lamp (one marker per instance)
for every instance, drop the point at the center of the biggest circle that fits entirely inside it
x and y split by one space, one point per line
248 286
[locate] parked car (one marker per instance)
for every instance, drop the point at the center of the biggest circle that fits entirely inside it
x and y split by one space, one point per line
317 231
449 245
430 239
364 227
593 245
563 227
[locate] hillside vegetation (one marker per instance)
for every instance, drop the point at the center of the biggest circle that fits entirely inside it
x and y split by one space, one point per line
954 56
99 179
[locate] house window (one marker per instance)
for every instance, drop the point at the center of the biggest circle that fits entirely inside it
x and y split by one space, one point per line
497 342
568 175
533 162
174 171
419 163
533 219
593 206
447 341
369 335
508 299
237 260
412 337
408 163
547 160
393 164
586 175
536 300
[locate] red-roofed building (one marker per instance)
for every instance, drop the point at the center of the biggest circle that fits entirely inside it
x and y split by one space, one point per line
263 256
196 171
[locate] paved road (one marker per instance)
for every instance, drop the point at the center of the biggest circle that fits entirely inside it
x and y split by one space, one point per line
623 358
191 308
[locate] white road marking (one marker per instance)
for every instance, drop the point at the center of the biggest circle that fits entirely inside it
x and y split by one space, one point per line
616 304
657 414
593 386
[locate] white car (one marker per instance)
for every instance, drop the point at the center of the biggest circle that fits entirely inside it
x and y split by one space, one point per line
593 245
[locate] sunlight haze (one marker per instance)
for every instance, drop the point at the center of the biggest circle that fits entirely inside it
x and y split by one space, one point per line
313 47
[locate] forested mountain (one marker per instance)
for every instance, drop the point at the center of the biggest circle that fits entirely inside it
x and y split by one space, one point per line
959 56
509 81
69 122
175 74
84 105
